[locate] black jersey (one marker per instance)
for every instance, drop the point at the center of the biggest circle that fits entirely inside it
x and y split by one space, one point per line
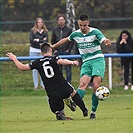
50 73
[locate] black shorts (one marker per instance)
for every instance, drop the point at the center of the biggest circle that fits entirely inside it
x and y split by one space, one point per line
56 97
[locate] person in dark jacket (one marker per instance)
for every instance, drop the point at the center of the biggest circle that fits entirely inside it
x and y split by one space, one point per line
124 45
38 35
59 32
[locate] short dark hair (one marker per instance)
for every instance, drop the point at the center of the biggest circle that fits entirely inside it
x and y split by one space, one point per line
45 47
61 15
83 17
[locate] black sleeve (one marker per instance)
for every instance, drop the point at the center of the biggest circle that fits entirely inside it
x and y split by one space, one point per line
45 35
71 43
123 48
55 59
31 37
33 64
70 46
119 48
53 38
128 48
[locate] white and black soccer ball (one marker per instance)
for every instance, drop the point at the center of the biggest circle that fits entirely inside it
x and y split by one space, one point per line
102 93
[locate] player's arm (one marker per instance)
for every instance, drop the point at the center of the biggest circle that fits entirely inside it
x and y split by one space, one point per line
19 65
67 62
61 42
102 38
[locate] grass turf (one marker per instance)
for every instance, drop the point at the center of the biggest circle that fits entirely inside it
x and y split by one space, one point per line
31 114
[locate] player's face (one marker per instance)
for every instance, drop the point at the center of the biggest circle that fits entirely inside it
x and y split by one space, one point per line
83 25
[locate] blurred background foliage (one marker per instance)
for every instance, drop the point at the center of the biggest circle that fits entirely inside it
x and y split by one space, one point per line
19 15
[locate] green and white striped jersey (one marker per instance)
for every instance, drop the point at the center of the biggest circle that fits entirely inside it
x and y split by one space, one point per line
88 44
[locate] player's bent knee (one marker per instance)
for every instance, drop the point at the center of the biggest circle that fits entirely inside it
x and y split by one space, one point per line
83 86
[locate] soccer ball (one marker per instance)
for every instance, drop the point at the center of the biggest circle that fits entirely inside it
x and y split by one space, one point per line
102 93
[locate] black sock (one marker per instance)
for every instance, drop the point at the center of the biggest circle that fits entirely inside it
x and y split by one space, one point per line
78 100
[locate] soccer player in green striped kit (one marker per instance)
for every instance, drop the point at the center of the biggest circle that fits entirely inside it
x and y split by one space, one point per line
93 68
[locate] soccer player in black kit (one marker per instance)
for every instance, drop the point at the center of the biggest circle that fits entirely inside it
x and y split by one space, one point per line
56 86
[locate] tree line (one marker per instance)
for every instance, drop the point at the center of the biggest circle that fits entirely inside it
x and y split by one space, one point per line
19 15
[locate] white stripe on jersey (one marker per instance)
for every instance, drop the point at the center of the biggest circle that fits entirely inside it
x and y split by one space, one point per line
92 57
89 50
85 39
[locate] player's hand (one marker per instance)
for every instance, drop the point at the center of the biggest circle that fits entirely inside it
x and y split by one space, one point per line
11 56
76 63
107 42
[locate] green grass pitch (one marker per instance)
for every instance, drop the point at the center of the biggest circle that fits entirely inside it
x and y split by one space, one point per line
31 114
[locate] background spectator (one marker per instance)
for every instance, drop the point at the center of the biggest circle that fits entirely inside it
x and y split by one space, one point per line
124 45
59 32
38 35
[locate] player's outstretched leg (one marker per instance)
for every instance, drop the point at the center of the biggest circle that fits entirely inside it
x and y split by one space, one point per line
78 100
61 116
70 104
